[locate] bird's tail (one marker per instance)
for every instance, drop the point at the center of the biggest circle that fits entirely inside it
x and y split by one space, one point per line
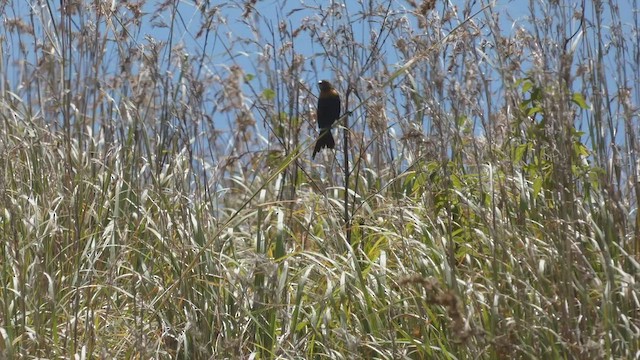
324 141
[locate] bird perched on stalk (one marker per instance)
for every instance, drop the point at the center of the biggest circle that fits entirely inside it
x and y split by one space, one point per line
328 112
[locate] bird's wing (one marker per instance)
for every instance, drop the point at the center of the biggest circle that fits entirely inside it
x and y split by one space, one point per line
328 109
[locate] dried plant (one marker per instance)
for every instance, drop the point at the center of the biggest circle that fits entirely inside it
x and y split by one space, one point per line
159 199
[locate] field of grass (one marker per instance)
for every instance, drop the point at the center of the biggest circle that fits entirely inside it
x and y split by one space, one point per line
158 201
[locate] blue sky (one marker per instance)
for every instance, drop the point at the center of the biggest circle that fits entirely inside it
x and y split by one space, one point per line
221 49
189 19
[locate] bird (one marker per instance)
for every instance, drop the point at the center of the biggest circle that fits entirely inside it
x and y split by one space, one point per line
328 112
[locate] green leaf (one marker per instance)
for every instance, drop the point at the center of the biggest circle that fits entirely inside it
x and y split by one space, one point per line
268 94
578 99
537 186
534 110
580 149
520 151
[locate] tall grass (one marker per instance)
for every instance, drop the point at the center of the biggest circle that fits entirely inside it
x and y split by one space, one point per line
158 198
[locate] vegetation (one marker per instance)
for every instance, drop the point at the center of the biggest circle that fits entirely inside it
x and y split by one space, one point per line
159 199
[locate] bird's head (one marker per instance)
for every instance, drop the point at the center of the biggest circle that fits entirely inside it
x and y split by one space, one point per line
325 85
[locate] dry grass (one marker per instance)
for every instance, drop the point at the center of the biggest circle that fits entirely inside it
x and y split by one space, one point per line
158 198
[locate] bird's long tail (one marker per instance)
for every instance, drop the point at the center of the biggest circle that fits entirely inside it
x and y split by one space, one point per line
324 141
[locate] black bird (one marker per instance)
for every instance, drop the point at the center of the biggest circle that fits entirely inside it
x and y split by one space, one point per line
328 112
